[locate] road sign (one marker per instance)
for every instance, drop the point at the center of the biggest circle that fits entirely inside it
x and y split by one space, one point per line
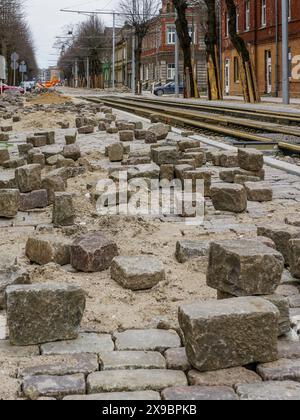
14 65
14 57
23 68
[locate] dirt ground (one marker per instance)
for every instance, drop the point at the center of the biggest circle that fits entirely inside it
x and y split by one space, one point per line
48 98
109 306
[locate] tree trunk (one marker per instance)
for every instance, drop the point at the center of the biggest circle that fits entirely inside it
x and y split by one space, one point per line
212 54
247 73
138 63
182 28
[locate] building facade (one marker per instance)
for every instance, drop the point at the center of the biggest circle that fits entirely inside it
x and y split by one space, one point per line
123 72
158 57
259 24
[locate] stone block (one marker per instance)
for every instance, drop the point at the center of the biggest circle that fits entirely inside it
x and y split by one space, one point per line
199 393
93 252
43 313
14 163
131 360
59 365
137 273
269 391
198 157
71 138
165 155
117 396
230 175
140 134
116 152
294 257
9 203
39 159
53 184
88 129
134 380
4 155
37 141
126 135
250 159
224 377
293 219
150 138
53 386
229 333
177 359
147 340
44 249
187 250
89 343
180 171
229 197
11 276
4 137
160 130
258 191
167 171
281 370
244 267
24 148
281 235
63 209
72 151
28 178
150 171
185 144
33 200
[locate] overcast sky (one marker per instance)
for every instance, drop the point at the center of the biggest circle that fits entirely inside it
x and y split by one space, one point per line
46 22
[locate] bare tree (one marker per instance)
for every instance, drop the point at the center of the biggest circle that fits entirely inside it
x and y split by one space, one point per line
214 88
15 35
88 40
247 73
139 14
185 40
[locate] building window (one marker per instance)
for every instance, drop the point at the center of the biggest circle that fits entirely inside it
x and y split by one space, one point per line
171 72
236 70
192 33
171 35
237 20
247 15
290 9
263 12
226 25
290 63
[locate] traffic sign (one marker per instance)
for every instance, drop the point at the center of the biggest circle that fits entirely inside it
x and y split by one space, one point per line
14 57
14 65
23 68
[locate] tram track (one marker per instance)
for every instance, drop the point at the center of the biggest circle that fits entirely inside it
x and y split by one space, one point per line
241 127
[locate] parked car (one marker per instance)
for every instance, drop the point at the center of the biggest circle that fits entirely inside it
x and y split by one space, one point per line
167 89
28 86
13 89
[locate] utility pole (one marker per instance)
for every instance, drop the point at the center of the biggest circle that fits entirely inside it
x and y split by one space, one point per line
176 62
88 84
133 65
114 51
76 73
285 53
